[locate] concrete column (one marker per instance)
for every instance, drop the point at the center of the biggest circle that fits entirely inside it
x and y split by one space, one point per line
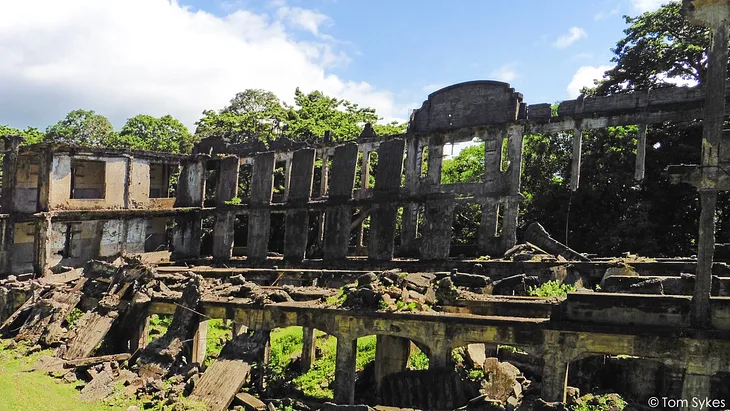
554 376
299 189
9 178
439 356
391 356
640 154
199 342
487 238
309 348
227 186
259 216
711 138
436 235
345 370
42 245
410 210
695 386
223 234
186 236
384 216
575 166
338 216
191 183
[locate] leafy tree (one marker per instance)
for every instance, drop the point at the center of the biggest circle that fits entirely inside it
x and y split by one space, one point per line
83 127
251 115
658 45
390 129
258 115
315 113
144 132
466 167
31 134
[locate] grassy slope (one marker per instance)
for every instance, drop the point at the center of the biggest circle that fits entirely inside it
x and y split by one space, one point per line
23 391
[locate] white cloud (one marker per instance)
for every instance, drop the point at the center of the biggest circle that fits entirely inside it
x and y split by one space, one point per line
602 15
304 19
125 57
506 73
573 35
647 5
583 77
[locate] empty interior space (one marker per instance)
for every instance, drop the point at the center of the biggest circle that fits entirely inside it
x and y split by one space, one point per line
88 179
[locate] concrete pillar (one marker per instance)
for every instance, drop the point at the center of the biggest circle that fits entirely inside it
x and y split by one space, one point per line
575 166
299 190
9 177
259 217
338 216
715 15
694 386
223 234
191 183
345 370
384 216
42 244
186 236
640 154
391 356
412 180
439 356
487 238
554 376
227 186
436 233
309 348
199 342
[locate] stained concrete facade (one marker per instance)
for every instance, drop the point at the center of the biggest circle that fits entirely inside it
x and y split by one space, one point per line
64 205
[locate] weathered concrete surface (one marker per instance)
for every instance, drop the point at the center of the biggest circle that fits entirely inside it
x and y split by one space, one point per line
297 220
383 216
337 219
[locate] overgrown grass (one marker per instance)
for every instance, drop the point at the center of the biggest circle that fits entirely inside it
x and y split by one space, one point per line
219 333
22 390
315 382
552 289
418 359
285 342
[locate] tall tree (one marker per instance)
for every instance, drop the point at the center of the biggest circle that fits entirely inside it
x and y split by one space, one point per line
31 135
145 132
315 113
658 46
252 115
83 127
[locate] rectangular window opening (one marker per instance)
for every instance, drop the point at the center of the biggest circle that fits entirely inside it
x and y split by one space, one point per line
88 179
240 235
212 171
245 171
163 180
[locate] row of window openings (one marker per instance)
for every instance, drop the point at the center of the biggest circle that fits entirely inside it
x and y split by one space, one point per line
88 180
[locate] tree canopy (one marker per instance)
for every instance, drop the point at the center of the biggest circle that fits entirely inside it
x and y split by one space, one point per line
658 46
259 115
144 132
83 127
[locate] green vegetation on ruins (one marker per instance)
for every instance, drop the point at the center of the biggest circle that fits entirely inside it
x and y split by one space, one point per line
552 289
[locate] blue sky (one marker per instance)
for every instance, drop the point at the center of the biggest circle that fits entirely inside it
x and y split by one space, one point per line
124 57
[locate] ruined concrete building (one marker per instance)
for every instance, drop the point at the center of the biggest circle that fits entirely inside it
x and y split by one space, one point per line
65 205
